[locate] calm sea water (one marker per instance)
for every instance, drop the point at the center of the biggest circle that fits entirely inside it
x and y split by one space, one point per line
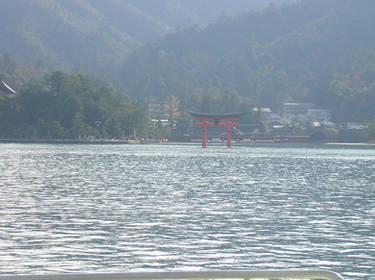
111 208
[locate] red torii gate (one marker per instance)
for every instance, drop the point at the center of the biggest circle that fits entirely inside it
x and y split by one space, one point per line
207 119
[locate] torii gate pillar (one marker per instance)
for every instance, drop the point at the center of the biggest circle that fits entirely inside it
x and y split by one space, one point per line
229 134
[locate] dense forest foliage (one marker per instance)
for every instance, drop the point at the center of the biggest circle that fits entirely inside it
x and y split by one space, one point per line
58 105
94 35
72 34
68 106
319 51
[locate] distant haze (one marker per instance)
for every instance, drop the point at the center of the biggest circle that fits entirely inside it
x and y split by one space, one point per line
183 13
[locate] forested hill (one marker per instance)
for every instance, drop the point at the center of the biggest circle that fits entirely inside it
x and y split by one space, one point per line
320 51
93 34
60 33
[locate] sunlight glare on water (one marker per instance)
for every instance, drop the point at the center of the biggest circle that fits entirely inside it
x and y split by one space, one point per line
111 208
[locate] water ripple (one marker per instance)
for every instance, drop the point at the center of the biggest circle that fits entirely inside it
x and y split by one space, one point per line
78 208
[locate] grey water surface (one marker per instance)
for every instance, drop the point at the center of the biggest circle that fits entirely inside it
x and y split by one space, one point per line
126 208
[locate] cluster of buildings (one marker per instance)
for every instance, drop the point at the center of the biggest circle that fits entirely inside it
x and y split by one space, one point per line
291 125
306 112
297 122
292 113
303 122
296 113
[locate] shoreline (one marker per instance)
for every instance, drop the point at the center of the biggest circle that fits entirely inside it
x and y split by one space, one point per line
69 141
351 144
131 141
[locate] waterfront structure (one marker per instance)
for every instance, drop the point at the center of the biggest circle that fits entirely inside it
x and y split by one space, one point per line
225 120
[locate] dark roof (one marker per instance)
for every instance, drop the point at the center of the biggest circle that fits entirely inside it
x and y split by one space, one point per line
5 88
216 115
